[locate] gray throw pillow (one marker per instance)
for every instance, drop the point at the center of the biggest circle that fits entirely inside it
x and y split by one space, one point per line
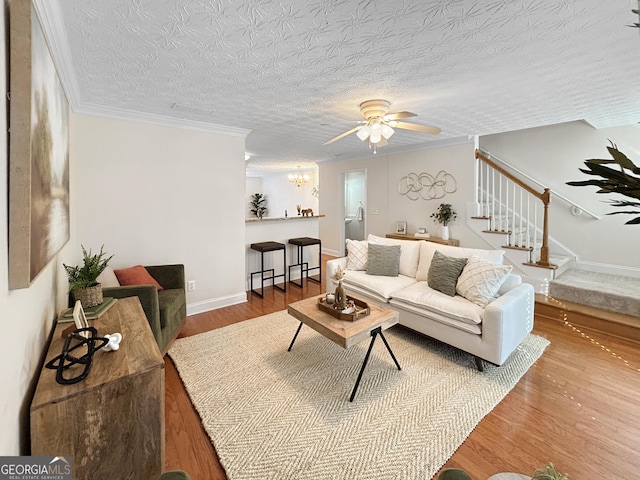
444 272
384 260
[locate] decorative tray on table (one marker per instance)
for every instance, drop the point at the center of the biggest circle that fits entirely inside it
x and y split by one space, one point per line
361 309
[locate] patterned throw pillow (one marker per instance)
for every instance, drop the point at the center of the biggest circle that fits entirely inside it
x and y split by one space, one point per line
383 260
444 272
480 280
357 254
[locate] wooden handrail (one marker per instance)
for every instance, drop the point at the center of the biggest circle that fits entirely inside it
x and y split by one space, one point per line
545 198
507 174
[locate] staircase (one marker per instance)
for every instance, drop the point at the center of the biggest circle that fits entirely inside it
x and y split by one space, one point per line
511 215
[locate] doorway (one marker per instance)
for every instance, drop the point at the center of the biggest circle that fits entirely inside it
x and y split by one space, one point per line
355 197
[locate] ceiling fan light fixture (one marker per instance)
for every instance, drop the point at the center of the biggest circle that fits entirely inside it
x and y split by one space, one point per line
376 132
363 132
379 125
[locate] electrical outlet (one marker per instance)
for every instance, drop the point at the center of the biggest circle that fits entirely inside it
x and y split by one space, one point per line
191 285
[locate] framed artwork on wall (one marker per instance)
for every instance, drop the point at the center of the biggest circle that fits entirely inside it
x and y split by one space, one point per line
38 150
401 227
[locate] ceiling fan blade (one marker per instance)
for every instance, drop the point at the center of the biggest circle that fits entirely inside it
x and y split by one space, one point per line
342 135
346 122
418 128
397 115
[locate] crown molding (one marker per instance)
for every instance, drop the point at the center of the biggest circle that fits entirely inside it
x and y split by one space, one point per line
56 37
435 144
133 116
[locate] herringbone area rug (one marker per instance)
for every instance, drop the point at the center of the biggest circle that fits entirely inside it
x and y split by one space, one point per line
273 414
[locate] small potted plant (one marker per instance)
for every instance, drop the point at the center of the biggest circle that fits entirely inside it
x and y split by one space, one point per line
83 283
443 215
259 204
549 472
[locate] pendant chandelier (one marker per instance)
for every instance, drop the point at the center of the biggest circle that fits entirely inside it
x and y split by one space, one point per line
299 179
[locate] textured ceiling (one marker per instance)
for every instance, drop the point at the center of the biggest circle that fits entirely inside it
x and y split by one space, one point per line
294 72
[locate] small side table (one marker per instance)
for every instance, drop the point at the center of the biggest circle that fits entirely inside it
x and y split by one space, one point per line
509 476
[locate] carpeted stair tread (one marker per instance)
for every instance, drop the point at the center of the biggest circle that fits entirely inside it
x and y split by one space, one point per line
600 290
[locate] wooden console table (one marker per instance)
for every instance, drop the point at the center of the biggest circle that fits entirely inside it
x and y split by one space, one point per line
112 422
406 236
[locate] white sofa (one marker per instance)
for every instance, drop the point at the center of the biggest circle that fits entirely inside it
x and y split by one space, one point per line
490 332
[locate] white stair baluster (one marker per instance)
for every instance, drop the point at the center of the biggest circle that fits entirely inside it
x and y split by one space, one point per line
528 221
501 228
520 229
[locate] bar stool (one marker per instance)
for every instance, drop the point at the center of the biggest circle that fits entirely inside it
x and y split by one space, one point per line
300 243
263 247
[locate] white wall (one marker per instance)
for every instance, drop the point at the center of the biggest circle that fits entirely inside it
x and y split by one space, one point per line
26 315
282 195
553 155
157 195
385 205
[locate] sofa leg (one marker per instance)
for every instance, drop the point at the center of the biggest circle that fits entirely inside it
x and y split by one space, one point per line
479 363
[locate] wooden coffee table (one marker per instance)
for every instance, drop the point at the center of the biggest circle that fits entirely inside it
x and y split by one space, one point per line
343 332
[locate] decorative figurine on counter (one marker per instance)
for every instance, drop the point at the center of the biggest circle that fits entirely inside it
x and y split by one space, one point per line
339 302
298 207
307 212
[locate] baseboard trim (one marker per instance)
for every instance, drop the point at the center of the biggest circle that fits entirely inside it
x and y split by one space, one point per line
592 318
610 269
215 303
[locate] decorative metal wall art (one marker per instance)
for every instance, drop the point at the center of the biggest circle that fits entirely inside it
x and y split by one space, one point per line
427 186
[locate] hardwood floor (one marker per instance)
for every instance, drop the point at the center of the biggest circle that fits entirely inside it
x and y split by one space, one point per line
577 406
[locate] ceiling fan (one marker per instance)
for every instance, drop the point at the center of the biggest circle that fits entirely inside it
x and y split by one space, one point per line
379 124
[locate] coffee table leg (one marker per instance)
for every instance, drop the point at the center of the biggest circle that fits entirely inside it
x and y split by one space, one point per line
390 352
374 333
296 336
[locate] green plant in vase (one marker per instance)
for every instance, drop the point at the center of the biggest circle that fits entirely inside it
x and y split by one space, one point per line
259 204
83 283
443 215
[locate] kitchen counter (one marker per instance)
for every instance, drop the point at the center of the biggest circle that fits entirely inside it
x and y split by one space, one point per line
272 219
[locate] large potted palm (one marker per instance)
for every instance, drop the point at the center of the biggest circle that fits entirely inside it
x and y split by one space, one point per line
618 175
83 283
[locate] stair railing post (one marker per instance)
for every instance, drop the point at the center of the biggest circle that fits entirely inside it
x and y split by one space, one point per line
544 250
